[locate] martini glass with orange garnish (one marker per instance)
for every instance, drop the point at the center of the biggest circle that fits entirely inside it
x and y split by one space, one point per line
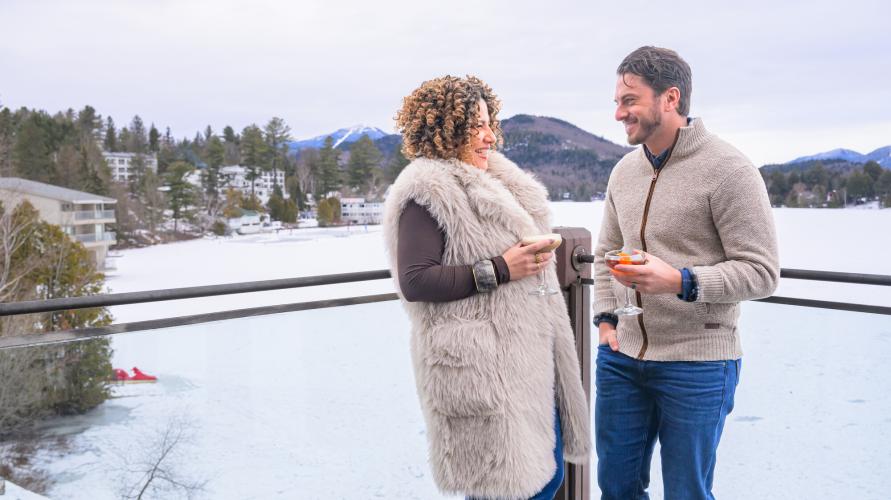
626 257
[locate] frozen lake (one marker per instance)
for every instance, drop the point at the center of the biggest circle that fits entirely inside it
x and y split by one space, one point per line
321 404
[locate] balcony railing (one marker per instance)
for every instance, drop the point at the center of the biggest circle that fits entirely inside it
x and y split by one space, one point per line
94 214
93 238
574 276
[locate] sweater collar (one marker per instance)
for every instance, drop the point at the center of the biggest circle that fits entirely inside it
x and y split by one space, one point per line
690 138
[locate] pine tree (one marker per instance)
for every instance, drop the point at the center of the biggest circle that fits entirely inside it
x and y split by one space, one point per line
180 193
124 140
873 170
47 263
278 133
231 144
883 188
89 124
138 140
364 161
397 163
253 153
211 175
111 136
329 169
154 139
7 140
859 185
32 151
229 135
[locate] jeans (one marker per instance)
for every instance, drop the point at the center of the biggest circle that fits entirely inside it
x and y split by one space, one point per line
550 490
682 403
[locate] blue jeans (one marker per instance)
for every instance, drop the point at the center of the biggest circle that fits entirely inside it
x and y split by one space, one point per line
550 489
683 404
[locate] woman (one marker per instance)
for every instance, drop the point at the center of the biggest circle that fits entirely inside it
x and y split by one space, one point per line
496 368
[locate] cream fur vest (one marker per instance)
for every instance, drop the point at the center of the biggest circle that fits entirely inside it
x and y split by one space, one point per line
490 368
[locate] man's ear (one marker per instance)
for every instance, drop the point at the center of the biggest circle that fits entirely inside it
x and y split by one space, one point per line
671 99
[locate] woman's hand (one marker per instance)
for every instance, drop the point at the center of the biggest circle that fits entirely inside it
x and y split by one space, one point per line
521 260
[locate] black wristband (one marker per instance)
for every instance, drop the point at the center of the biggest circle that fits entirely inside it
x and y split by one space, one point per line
606 318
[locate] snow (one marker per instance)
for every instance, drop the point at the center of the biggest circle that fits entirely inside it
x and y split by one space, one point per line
12 491
322 404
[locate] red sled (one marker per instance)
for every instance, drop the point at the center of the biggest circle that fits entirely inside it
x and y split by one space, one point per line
138 376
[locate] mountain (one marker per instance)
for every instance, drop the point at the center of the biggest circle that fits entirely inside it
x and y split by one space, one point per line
341 137
572 163
882 156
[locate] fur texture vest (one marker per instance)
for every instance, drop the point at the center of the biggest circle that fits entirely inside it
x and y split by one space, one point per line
490 368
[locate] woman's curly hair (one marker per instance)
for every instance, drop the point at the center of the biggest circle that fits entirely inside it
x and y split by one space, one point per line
439 117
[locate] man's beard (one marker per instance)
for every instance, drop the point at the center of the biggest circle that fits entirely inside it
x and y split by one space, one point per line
646 127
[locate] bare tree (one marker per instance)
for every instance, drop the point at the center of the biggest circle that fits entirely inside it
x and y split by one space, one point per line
155 467
20 390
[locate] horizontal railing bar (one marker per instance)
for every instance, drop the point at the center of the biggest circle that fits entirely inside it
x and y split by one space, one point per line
836 277
116 299
102 331
69 303
807 274
825 304
86 333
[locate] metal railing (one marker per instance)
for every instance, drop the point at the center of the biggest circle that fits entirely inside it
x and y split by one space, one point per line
574 277
807 274
94 214
92 237
116 299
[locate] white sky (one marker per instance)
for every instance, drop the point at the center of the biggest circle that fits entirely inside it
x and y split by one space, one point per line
778 79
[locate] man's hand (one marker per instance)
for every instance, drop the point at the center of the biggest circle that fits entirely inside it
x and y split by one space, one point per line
608 336
654 277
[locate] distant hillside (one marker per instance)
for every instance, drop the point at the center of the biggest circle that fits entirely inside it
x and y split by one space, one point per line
572 163
568 160
882 156
833 165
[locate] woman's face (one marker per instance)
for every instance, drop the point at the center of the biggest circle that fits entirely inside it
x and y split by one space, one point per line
481 140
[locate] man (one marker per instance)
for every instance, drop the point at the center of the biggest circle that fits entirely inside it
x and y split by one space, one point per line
699 210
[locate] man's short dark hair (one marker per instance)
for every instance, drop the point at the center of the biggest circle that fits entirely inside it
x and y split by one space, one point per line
661 69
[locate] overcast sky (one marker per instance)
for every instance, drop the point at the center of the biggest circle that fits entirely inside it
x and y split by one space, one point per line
779 79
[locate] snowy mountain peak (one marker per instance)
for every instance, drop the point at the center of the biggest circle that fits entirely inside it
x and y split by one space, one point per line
882 156
342 136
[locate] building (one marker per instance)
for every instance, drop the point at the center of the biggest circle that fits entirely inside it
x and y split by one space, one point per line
248 222
120 164
235 177
359 211
83 216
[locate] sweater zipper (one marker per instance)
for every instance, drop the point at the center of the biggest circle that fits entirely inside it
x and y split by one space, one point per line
643 241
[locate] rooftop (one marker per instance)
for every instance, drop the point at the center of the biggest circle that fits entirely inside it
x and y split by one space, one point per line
35 188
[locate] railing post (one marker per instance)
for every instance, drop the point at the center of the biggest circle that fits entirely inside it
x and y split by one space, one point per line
576 241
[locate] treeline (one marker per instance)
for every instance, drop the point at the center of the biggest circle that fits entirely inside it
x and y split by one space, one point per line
817 186
65 149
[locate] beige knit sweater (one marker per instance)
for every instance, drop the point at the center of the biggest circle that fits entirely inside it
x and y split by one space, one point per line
708 211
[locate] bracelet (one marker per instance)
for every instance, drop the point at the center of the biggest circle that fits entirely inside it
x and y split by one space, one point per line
606 317
484 276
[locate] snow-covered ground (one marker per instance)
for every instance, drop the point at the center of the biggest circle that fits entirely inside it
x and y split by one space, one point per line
12 491
321 404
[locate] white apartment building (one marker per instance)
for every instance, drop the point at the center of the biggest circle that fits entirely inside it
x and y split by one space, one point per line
119 164
235 176
359 211
83 216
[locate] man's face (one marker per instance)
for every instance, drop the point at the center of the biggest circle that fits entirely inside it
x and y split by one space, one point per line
638 108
